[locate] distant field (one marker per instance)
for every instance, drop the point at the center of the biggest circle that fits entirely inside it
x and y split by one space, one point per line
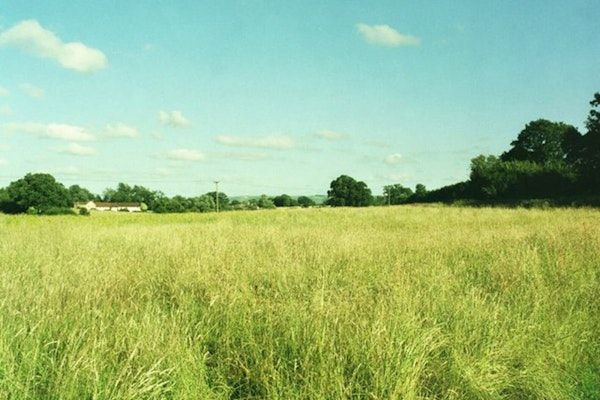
377 303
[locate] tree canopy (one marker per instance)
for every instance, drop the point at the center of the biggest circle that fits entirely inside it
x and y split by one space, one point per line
36 193
285 200
345 191
547 160
541 141
396 194
588 149
80 194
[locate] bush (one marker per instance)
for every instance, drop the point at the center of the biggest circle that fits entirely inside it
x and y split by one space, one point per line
58 211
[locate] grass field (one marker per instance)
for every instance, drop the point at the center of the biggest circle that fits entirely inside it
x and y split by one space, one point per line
378 303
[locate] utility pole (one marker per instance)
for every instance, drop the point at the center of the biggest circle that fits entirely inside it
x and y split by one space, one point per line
217 194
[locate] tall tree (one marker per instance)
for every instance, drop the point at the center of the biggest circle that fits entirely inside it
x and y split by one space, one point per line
345 191
223 199
420 191
285 200
396 194
40 193
305 201
81 194
541 141
590 148
125 193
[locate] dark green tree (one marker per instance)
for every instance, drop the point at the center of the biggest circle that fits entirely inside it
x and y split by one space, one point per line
223 199
305 201
4 199
141 194
345 191
204 203
541 141
285 200
420 191
484 176
396 194
125 193
36 193
80 194
167 205
589 149
492 179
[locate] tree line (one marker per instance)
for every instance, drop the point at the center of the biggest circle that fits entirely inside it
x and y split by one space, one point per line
548 160
40 193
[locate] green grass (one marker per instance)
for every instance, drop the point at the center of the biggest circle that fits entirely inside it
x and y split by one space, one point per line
377 303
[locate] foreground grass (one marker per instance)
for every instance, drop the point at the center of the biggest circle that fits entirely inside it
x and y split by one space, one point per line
378 303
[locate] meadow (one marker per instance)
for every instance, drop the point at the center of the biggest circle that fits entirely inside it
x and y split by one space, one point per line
408 302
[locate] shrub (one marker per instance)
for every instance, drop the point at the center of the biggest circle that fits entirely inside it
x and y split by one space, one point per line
57 211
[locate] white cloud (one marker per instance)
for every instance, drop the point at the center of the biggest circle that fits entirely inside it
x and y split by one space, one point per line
52 131
30 36
331 135
120 129
186 155
173 118
68 132
384 35
32 91
393 159
78 150
267 142
3 91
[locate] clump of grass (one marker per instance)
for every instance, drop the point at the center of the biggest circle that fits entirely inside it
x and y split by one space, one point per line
378 303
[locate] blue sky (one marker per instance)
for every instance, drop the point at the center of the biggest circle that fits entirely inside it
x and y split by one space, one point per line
282 97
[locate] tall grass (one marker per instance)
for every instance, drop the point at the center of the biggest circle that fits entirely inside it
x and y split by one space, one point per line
377 303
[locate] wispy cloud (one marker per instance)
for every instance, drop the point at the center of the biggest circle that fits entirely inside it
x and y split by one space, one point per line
33 91
393 159
3 91
265 142
400 177
173 118
30 36
384 35
121 130
5 110
78 150
52 131
186 155
244 156
330 135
